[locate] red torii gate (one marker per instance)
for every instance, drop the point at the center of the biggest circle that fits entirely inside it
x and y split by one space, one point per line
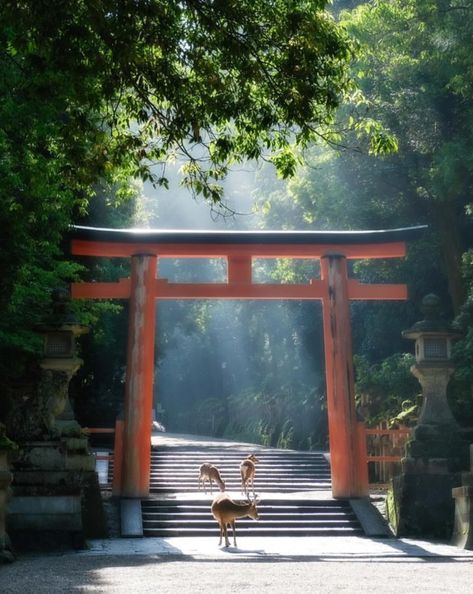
335 289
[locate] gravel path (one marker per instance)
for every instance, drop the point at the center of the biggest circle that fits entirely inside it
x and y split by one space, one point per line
167 574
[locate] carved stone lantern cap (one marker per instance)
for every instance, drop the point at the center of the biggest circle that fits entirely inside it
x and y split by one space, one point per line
432 323
61 317
433 336
59 331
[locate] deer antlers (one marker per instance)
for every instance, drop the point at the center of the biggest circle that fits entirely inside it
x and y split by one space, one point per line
225 511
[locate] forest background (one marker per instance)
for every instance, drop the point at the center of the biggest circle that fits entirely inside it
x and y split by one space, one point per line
358 120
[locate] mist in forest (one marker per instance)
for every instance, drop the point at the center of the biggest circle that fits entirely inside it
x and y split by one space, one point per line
178 208
244 370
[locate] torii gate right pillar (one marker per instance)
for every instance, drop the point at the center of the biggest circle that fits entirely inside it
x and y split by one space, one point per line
348 477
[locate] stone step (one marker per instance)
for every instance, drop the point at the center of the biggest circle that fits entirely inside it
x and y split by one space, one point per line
178 475
236 461
260 532
319 462
294 488
175 471
284 505
247 524
236 469
226 457
284 463
266 478
235 486
267 517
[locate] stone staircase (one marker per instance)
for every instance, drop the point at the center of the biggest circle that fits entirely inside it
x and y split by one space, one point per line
278 517
294 489
176 470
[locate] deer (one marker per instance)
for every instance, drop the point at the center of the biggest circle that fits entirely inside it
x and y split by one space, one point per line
247 471
225 511
210 473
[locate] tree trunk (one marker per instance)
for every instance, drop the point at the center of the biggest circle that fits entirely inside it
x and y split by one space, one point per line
448 227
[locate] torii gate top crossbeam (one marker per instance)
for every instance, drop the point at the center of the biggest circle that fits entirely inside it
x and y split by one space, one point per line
239 248
390 243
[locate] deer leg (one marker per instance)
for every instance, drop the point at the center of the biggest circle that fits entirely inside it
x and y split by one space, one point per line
225 532
234 533
247 486
220 525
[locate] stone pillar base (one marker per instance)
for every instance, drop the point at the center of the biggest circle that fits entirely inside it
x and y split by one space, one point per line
38 522
6 554
463 496
55 510
420 504
463 524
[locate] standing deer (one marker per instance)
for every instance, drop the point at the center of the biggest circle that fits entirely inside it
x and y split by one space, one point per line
225 511
247 471
210 473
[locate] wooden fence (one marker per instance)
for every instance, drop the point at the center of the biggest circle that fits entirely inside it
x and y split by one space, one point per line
384 450
112 458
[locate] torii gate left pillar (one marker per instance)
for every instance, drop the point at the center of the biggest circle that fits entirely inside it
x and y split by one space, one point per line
139 377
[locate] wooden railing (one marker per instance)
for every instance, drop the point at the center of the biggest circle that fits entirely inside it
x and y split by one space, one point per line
384 450
114 456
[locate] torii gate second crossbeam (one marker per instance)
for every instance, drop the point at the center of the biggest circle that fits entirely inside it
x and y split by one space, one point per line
334 288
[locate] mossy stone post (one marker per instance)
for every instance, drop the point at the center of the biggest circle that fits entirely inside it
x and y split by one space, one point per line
463 526
420 503
6 446
56 498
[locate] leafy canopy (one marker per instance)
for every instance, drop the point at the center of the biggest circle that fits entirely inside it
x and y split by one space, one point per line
416 70
105 90
136 82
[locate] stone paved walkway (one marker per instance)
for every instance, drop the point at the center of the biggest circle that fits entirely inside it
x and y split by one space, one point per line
350 548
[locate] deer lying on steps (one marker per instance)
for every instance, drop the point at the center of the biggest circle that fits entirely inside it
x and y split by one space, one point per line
247 471
225 511
210 473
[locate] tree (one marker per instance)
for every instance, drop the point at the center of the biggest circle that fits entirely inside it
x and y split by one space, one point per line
416 71
98 92
413 67
135 82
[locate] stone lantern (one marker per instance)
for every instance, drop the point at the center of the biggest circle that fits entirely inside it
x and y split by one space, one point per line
433 368
421 503
60 362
